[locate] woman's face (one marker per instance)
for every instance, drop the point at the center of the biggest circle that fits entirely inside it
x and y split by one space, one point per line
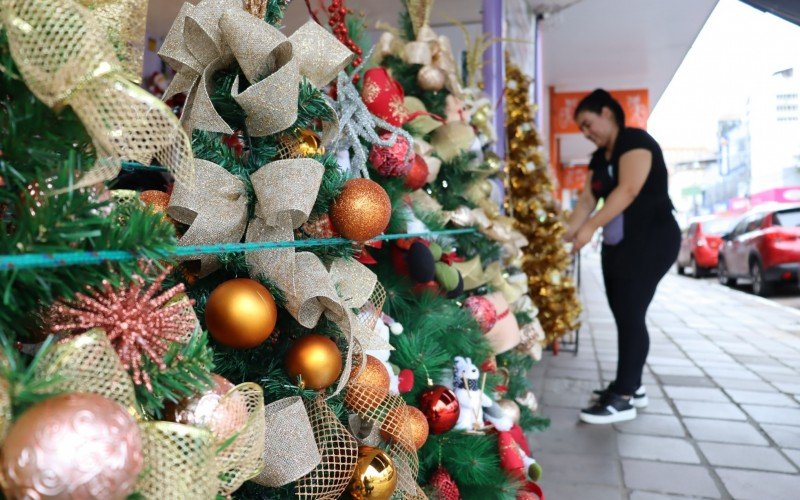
598 128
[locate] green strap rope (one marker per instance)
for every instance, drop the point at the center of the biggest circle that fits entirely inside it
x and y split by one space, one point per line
44 260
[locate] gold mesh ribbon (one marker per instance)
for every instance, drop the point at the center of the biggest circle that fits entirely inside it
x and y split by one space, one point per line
64 54
124 22
339 452
216 33
385 413
181 461
5 398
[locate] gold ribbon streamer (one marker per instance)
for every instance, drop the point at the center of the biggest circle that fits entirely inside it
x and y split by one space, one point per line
215 33
124 22
65 57
181 461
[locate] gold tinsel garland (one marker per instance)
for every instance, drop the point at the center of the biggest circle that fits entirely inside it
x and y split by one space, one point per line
530 200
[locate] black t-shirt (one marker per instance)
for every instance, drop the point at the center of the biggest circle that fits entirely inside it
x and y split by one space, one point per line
652 204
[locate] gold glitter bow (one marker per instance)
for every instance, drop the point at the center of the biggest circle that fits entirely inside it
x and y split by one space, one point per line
216 33
66 55
181 461
216 210
428 49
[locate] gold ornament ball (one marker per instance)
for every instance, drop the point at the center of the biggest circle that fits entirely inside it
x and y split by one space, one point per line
362 210
406 425
316 360
211 410
73 446
374 477
241 313
367 390
511 409
481 116
431 78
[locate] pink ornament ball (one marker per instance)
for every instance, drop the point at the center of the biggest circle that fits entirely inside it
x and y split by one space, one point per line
482 310
392 161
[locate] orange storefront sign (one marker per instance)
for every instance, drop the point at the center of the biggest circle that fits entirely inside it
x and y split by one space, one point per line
574 177
635 103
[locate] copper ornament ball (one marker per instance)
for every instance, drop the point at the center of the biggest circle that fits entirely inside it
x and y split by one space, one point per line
362 210
406 425
212 410
367 390
73 446
157 200
241 313
316 360
374 477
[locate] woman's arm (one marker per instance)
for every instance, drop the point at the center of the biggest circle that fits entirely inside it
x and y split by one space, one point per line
634 167
583 209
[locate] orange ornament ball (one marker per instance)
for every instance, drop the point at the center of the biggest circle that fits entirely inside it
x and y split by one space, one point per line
367 390
362 211
241 313
406 425
315 361
157 200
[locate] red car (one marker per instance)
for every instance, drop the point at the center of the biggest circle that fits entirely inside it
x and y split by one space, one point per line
700 244
763 248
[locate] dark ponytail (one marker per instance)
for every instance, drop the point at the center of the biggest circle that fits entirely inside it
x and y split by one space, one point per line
599 99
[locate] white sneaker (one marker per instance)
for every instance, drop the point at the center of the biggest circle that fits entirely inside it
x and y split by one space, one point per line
611 408
639 399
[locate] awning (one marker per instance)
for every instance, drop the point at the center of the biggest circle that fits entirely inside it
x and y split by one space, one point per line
787 9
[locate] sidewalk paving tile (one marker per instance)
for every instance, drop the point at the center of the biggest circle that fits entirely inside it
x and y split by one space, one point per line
663 449
657 405
579 491
752 485
669 478
762 398
696 393
724 431
686 381
746 385
725 411
794 455
595 469
773 414
654 425
787 436
746 457
647 495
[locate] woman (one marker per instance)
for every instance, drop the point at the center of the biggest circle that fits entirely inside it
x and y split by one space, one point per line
640 240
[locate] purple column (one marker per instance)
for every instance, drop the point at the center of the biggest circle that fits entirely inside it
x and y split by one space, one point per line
494 71
538 83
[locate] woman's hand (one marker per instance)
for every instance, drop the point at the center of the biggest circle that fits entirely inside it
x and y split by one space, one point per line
569 235
582 237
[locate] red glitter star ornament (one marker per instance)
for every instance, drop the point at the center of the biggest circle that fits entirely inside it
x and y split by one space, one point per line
139 320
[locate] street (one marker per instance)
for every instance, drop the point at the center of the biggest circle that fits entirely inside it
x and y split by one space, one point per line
786 295
723 378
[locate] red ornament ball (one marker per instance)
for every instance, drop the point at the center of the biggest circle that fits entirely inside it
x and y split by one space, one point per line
443 485
405 381
483 311
417 177
441 408
391 161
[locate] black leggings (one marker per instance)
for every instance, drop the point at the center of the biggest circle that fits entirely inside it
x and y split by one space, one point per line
631 272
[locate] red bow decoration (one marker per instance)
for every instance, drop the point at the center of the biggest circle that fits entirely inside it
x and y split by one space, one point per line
384 97
365 257
451 257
